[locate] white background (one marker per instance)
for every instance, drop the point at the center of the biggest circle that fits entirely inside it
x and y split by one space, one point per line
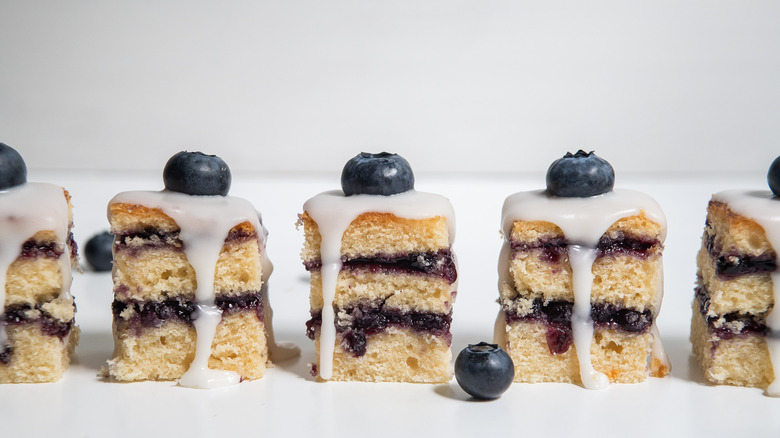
463 86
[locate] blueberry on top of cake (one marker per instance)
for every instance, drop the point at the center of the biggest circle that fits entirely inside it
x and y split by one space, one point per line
382 274
196 173
581 264
377 174
13 170
580 175
735 325
37 333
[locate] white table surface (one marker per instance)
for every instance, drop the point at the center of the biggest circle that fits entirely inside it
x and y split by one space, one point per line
288 401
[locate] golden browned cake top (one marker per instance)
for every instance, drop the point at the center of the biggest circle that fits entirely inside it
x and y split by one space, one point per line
127 218
636 226
380 233
735 233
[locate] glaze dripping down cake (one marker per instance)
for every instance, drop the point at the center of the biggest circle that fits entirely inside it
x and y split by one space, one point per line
37 332
383 277
580 280
189 285
737 287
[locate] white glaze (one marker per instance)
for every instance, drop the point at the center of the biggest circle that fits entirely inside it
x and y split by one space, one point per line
333 212
25 210
204 223
277 351
764 208
583 221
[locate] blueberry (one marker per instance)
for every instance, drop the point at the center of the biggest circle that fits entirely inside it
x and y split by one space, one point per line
580 175
773 176
98 251
377 174
484 370
13 171
196 173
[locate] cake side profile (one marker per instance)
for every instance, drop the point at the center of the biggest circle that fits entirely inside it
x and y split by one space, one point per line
737 287
37 251
383 280
190 296
581 283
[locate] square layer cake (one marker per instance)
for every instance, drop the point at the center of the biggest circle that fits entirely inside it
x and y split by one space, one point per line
37 332
580 285
383 280
737 288
190 271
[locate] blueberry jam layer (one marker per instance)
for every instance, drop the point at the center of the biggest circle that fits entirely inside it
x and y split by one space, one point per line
153 314
732 324
556 315
19 314
357 324
154 239
32 250
438 264
730 265
553 249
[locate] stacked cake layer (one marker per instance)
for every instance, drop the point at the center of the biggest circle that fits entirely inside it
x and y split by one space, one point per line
37 332
188 286
580 287
383 281
735 292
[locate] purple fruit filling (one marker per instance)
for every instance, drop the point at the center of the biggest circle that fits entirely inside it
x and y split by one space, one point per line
729 265
154 238
439 264
153 314
556 315
552 249
724 326
636 246
357 324
19 314
32 249
73 246
6 351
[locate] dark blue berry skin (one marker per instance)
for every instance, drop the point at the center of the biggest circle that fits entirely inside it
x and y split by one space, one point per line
196 173
484 370
13 171
580 175
377 174
98 251
773 176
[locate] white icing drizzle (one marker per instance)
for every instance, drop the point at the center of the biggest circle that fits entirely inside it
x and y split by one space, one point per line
333 212
660 364
764 208
204 223
583 221
25 210
278 351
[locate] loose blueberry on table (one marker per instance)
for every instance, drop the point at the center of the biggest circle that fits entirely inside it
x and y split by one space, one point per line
773 177
13 171
98 251
196 173
484 370
377 174
580 175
